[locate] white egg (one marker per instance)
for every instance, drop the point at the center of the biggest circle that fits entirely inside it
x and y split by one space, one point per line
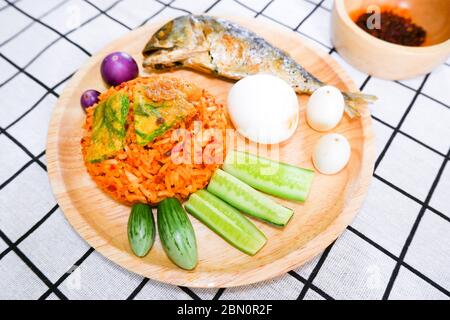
263 108
325 108
331 153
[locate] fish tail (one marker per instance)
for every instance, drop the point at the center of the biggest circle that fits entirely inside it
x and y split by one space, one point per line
355 101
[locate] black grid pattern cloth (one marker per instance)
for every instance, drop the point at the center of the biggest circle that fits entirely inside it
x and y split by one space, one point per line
398 247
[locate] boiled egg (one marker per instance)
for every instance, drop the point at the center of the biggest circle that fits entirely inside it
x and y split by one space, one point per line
325 108
331 153
263 108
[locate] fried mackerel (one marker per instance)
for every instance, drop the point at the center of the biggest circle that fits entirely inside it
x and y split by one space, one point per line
225 49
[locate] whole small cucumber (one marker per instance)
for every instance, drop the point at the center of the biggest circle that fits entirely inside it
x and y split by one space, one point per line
176 234
141 229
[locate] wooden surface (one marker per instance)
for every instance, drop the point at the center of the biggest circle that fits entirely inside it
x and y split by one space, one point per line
387 60
333 203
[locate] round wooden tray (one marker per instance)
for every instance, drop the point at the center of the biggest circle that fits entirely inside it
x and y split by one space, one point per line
331 206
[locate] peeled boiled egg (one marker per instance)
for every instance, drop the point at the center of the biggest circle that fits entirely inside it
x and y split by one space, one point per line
325 108
331 153
263 108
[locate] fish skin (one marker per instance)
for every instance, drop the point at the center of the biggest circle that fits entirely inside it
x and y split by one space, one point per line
222 48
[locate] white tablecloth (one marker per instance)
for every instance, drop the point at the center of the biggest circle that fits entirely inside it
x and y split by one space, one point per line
397 247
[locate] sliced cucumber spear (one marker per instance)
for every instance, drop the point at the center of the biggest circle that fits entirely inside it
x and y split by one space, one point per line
141 229
279 179
248 200
226 221
177 234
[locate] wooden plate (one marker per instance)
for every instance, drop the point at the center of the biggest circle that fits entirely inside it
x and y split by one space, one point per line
332 204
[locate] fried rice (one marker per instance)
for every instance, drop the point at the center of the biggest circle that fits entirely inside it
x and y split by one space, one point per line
148 173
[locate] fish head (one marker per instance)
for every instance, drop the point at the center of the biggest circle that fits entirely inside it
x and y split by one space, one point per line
175 42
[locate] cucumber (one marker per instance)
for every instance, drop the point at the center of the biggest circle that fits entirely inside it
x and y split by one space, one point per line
226 221
176 234
279 179
248 200
141 229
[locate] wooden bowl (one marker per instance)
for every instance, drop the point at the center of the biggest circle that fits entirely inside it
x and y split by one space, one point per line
331 206
387 60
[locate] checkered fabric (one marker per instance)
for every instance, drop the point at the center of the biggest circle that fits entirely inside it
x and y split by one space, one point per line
398 247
